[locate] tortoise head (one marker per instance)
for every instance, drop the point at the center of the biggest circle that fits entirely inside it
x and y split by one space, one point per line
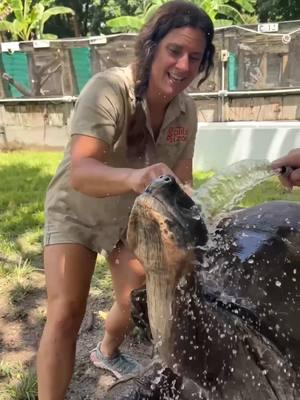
166 229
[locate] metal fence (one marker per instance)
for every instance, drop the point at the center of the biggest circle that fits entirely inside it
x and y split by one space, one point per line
248 58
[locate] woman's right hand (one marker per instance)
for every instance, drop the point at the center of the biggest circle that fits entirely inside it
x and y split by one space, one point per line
292 159
139 179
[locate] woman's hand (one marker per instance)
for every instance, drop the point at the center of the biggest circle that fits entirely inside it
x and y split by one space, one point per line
139 179
292 160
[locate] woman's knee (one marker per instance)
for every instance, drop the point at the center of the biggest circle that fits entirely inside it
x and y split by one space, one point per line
64 317
123 300
127 272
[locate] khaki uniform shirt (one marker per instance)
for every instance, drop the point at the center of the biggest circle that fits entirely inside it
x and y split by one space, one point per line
103 110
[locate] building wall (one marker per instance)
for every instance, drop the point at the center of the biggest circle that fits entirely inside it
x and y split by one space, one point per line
218 144
221 144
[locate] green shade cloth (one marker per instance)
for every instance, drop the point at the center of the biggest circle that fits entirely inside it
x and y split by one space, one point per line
232 72
82 67
16 66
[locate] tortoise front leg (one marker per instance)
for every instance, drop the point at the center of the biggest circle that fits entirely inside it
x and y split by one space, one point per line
139 311
155 383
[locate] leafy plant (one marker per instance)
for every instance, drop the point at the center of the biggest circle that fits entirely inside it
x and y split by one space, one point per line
16 271
278 10
222 12
226 12
134 23
101 282
27 18
8 370
23 386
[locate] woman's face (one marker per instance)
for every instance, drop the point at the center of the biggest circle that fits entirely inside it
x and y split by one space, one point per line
176 62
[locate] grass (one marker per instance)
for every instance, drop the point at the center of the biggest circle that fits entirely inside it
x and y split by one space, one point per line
22 382
101 280
17 280
24 177
16 272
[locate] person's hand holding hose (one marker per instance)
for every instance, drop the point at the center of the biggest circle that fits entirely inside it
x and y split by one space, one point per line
289 166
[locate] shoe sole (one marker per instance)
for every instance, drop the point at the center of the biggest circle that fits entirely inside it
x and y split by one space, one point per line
99 364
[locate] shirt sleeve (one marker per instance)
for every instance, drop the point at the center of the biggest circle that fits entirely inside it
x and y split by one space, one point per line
97 109
192 123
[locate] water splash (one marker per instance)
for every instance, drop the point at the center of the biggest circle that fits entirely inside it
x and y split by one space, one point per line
225 190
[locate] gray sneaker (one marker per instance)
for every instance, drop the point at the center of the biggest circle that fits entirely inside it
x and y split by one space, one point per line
119 365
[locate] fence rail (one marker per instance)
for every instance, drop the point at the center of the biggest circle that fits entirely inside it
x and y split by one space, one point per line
247 59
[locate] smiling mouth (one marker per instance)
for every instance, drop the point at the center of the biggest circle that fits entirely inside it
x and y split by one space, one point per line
175 78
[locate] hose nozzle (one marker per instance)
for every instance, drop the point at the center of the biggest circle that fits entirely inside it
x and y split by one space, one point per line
286 171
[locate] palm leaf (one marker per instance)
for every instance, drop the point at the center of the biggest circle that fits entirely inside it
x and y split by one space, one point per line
250 19
48 36
219 23
208 6
230 11
36 14
132 22
205 4
17 8
246 5
27 5
50 12
34 20
6 26
150 11
19 29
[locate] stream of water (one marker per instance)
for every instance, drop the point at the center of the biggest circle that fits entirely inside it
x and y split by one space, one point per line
225 190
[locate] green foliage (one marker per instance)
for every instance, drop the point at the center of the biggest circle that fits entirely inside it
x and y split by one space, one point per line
119 8
8 370
200 177
19 292
278 10
90 16
16 272
25 176
17 279
101 281
4 10
27 18
227 12
134 23
22 385
222 12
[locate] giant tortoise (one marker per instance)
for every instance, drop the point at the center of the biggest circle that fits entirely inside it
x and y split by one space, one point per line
223 307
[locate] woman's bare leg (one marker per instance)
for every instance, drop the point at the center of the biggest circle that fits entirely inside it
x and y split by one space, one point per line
68 270
127 274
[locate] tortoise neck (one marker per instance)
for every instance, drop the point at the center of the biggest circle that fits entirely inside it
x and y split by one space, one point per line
160 295
161 284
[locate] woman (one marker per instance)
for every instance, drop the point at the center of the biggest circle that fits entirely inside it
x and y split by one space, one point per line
130 126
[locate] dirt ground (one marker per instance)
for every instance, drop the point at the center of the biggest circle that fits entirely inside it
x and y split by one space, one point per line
21 328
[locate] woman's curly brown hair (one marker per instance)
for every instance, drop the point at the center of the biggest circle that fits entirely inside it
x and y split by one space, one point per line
171 15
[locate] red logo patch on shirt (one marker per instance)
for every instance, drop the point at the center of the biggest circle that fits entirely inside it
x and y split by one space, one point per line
177 134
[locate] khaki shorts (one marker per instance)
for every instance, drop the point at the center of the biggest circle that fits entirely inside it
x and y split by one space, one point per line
77 234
